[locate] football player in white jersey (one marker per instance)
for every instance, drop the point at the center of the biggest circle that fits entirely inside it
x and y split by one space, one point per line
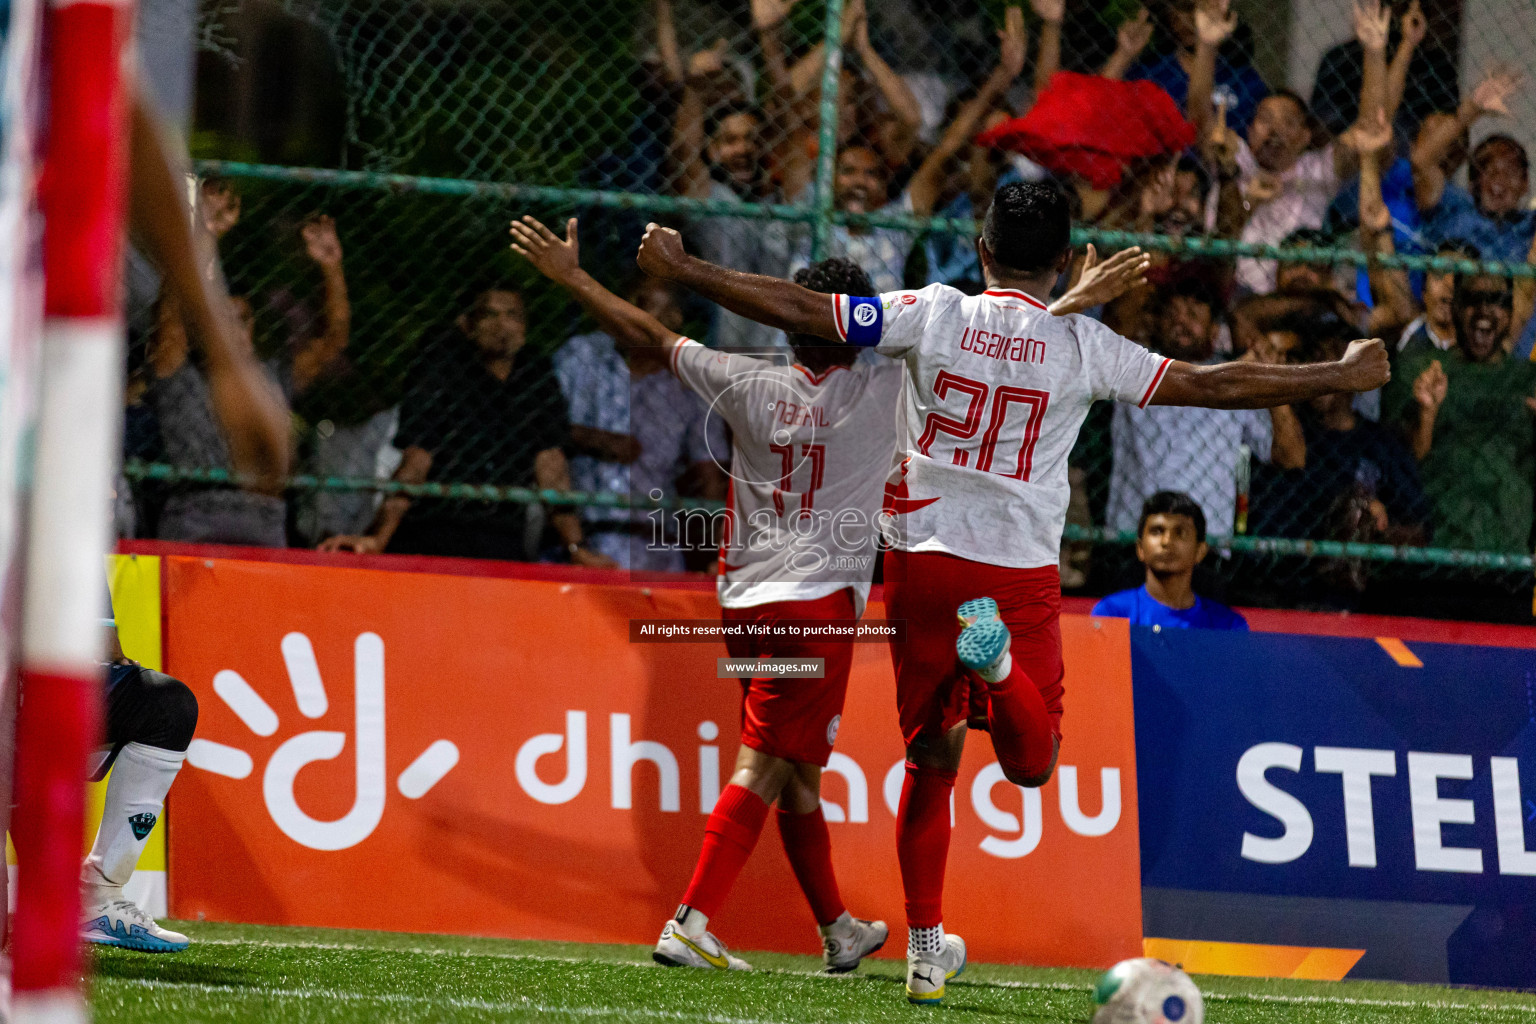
814 442
997 389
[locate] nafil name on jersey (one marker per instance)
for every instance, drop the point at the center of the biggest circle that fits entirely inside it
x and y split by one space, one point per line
793 414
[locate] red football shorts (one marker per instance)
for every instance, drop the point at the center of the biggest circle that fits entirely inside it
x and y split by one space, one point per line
934 692
795 719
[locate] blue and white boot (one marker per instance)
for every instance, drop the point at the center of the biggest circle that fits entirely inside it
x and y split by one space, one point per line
121 922
983 643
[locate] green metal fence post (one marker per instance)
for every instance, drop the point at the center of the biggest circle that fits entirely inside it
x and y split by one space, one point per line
826 152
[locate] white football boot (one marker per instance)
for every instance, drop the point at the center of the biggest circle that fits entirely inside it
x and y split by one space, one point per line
927 972
676 949
121 922
848 940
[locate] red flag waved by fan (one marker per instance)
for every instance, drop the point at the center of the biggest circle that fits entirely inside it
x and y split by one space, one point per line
1093 127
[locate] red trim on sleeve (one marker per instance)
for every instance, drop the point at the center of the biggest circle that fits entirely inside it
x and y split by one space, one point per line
1152 388
677 347
837 313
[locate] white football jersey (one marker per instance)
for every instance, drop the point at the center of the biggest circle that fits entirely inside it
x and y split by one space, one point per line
809 462
997 389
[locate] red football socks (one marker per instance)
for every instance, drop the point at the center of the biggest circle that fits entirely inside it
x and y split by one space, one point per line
1020 725
922 842
809 849
729 837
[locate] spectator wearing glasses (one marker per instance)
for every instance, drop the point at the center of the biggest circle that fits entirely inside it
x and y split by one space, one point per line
1467 415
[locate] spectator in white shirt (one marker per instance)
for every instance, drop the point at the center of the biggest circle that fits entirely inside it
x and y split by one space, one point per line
1196 451
635 431
1287 183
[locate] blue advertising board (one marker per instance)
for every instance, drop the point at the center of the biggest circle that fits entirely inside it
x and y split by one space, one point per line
1327 792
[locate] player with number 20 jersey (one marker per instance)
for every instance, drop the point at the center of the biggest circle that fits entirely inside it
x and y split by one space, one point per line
997 389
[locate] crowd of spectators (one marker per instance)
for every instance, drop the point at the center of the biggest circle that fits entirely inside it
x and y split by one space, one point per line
1445 455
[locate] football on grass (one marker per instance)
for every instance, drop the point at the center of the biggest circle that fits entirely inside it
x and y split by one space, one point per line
1147 991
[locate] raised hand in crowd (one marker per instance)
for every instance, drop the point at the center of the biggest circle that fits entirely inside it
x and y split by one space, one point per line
1372 23
219 204
321 243
1415 27
1214 24
251 414
770 14
1371 140
1214 21
1156 196
710 61
1490 97
316 356
896 146
1103 282
1048 52
1429 390
1131 38
926 191
666 42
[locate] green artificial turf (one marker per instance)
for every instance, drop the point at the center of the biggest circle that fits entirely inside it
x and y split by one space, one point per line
247 973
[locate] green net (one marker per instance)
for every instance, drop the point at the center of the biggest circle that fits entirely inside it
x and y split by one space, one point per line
773 132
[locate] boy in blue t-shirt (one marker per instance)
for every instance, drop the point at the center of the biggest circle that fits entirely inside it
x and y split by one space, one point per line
1170 541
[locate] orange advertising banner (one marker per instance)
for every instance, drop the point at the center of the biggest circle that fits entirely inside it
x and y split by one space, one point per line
434 753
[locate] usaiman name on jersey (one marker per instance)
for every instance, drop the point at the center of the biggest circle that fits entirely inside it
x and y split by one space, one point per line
997 346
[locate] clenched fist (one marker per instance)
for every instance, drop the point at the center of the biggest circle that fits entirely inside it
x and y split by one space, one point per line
661 251
1365 365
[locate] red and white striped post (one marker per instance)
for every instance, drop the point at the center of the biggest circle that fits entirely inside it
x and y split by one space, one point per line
83 196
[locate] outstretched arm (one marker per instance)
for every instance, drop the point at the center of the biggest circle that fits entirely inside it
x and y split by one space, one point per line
1252 385
768 300
630 326
250 412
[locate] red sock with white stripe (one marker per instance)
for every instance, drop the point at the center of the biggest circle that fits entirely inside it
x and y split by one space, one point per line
922 842
729 836
809 848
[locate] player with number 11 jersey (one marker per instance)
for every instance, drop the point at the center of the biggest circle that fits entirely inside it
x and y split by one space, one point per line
813 444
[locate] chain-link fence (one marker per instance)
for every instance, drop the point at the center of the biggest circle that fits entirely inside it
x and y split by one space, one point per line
1231 143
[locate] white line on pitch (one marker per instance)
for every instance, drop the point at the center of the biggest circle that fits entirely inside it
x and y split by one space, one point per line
489 1006
1056 986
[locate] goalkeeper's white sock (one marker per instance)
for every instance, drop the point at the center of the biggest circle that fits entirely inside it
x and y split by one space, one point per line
141 776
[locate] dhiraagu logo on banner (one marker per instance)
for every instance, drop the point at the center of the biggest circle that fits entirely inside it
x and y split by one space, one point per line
280 774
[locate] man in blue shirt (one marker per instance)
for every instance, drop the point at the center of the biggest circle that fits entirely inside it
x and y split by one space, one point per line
1170 542
1492 214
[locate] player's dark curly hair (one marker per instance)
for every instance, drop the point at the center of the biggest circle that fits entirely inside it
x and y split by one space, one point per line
1173 503
835 276
1028 226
